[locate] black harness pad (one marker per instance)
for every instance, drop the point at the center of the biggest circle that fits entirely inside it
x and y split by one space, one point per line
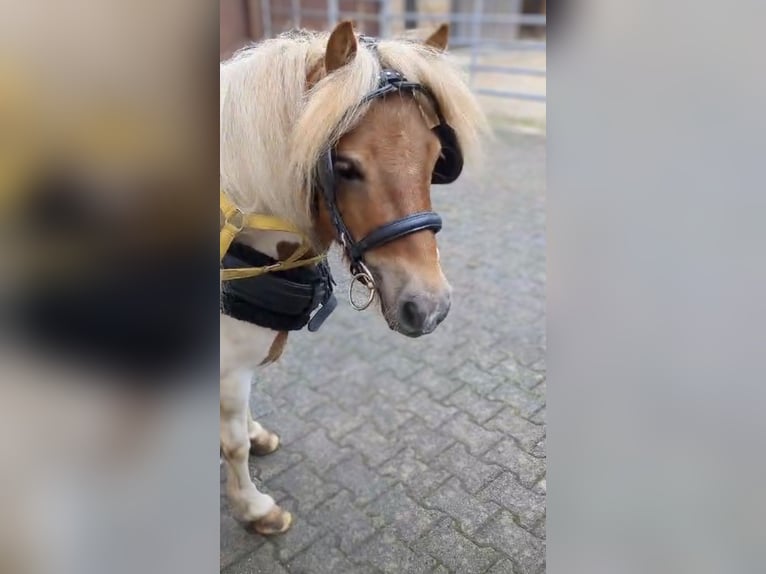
280 300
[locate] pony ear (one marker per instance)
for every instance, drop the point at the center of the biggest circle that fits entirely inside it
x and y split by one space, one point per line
438 40
341 47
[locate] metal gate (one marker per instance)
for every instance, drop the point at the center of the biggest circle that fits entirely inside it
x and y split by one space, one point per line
501 42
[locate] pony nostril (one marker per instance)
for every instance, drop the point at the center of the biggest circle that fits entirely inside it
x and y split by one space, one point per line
412 315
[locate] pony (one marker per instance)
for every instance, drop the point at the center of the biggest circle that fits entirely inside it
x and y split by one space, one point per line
283 102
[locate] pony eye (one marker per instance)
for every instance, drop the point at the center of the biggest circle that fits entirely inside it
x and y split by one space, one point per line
347 170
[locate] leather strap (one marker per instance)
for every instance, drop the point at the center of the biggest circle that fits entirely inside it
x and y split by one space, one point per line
399 228
390 81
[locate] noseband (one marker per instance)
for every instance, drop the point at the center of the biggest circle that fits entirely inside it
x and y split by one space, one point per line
447 170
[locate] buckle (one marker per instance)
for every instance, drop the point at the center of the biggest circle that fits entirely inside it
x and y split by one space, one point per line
236 219
387 75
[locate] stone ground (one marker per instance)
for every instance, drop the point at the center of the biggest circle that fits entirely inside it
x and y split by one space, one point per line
420 455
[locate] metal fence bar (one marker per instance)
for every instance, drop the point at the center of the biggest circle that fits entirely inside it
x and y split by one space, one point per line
511 95
478 10
512 45
266 17
384 15
523 19
512 71
476 38
296 9
333 12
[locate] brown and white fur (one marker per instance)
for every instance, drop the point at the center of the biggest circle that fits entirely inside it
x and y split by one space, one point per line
282 101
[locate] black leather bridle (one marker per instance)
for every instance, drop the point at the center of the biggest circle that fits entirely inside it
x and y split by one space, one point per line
447 169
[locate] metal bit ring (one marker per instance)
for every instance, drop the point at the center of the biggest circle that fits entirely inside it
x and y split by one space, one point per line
363 277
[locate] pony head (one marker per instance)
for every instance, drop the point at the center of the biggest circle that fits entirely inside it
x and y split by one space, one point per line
384 149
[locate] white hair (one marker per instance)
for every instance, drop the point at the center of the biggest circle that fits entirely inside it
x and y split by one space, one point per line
274 128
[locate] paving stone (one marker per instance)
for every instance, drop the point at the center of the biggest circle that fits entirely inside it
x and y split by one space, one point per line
322 557
509 455
418 478
306 488
319 450
386 418
287 425
476 438
335 420
437 385
261 403
526 551
261 561
539 416
393 390
300 536
474 473
517 374
300 398
264 468
481 381
428 444
341 515
402 514
387 553
539 528
350 387
504 566
444 360
477 407
526 403
357 477
434 414
236 541
470 512
375 447
524 432
526 505
280 497
403 466
487 354
456 551
532 357
402 366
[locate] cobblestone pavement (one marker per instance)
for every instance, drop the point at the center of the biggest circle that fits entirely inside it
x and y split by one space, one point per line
420 455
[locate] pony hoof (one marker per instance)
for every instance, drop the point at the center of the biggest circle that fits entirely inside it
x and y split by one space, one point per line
276 521
268 443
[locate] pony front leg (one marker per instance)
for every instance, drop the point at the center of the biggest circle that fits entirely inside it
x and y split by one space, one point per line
262 441
247 502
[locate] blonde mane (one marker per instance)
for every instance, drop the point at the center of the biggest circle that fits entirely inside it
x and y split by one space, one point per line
273 129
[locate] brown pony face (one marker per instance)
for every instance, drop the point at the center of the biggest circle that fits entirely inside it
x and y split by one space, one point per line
383 173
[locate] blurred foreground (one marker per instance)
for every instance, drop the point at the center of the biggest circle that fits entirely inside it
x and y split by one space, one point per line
108 354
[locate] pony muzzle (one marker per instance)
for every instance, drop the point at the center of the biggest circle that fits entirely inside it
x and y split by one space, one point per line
420 312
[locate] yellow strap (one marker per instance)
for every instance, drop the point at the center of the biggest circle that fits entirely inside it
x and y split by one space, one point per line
233 214
229 274
235 221
228 232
